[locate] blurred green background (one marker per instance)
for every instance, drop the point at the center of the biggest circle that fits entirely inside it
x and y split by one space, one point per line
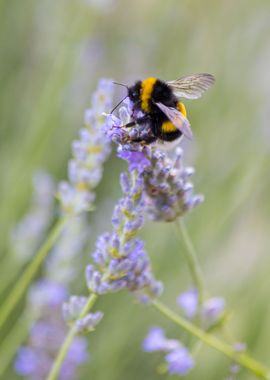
52 55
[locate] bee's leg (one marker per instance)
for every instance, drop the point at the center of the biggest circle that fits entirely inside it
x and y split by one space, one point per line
140 120
129 125
145 140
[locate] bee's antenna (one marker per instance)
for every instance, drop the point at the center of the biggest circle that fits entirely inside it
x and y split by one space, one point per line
120 84
119 104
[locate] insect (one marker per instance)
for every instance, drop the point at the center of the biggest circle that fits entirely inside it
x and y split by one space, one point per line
163 112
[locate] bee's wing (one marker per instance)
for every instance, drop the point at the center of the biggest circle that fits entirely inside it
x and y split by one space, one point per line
191 86
178 120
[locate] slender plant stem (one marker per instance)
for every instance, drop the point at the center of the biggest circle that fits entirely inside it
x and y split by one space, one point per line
13 340
27 276
53 375
192 260
241 358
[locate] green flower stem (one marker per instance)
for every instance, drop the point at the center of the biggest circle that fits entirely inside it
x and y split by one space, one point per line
12 341
27 276
241 358
53 375
192 260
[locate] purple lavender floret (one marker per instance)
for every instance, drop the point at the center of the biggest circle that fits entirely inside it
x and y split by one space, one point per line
136 159
211 310
188 301
178 359
157 341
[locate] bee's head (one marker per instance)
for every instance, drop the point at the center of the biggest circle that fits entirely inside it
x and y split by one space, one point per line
134 92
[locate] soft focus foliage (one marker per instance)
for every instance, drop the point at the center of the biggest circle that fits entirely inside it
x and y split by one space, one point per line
52 55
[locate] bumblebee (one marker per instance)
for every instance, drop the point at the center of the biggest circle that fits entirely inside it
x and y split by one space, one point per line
163 112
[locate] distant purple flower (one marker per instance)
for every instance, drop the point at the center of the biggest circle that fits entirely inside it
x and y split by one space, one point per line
60 264
26 361
29 232
46 295
155 340
179 361
212 310
209 312
45 298
178 358
35 359
188 301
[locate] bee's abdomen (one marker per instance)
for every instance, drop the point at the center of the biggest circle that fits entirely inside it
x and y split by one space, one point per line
168 132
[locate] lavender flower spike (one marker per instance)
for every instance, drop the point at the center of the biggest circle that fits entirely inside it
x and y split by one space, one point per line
89 153
120 260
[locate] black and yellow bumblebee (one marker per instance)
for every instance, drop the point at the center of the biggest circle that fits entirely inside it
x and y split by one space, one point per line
163 112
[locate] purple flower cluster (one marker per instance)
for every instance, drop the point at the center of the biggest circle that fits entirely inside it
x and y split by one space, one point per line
29 232
178 359
35 359
168 192
210 312
89 154
120 260
47 329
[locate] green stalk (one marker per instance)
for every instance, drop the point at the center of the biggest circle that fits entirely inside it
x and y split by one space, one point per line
13 340
53 375
192 260
243 359
27 276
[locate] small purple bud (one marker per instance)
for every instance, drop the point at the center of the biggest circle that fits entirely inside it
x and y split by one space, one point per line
179 361
188 301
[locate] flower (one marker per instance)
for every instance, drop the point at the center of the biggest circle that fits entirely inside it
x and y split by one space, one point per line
135 159
120 260
47 329
188 301
29 232
178 358
60 264
209 312
212 311
35 359
179 361
156 341
89 153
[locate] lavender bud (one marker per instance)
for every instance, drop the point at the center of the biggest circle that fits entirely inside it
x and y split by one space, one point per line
88 323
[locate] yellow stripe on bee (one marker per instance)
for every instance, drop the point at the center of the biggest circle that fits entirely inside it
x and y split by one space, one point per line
181 107
168 127
146 93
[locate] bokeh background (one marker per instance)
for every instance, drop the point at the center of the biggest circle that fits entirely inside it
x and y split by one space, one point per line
52 55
